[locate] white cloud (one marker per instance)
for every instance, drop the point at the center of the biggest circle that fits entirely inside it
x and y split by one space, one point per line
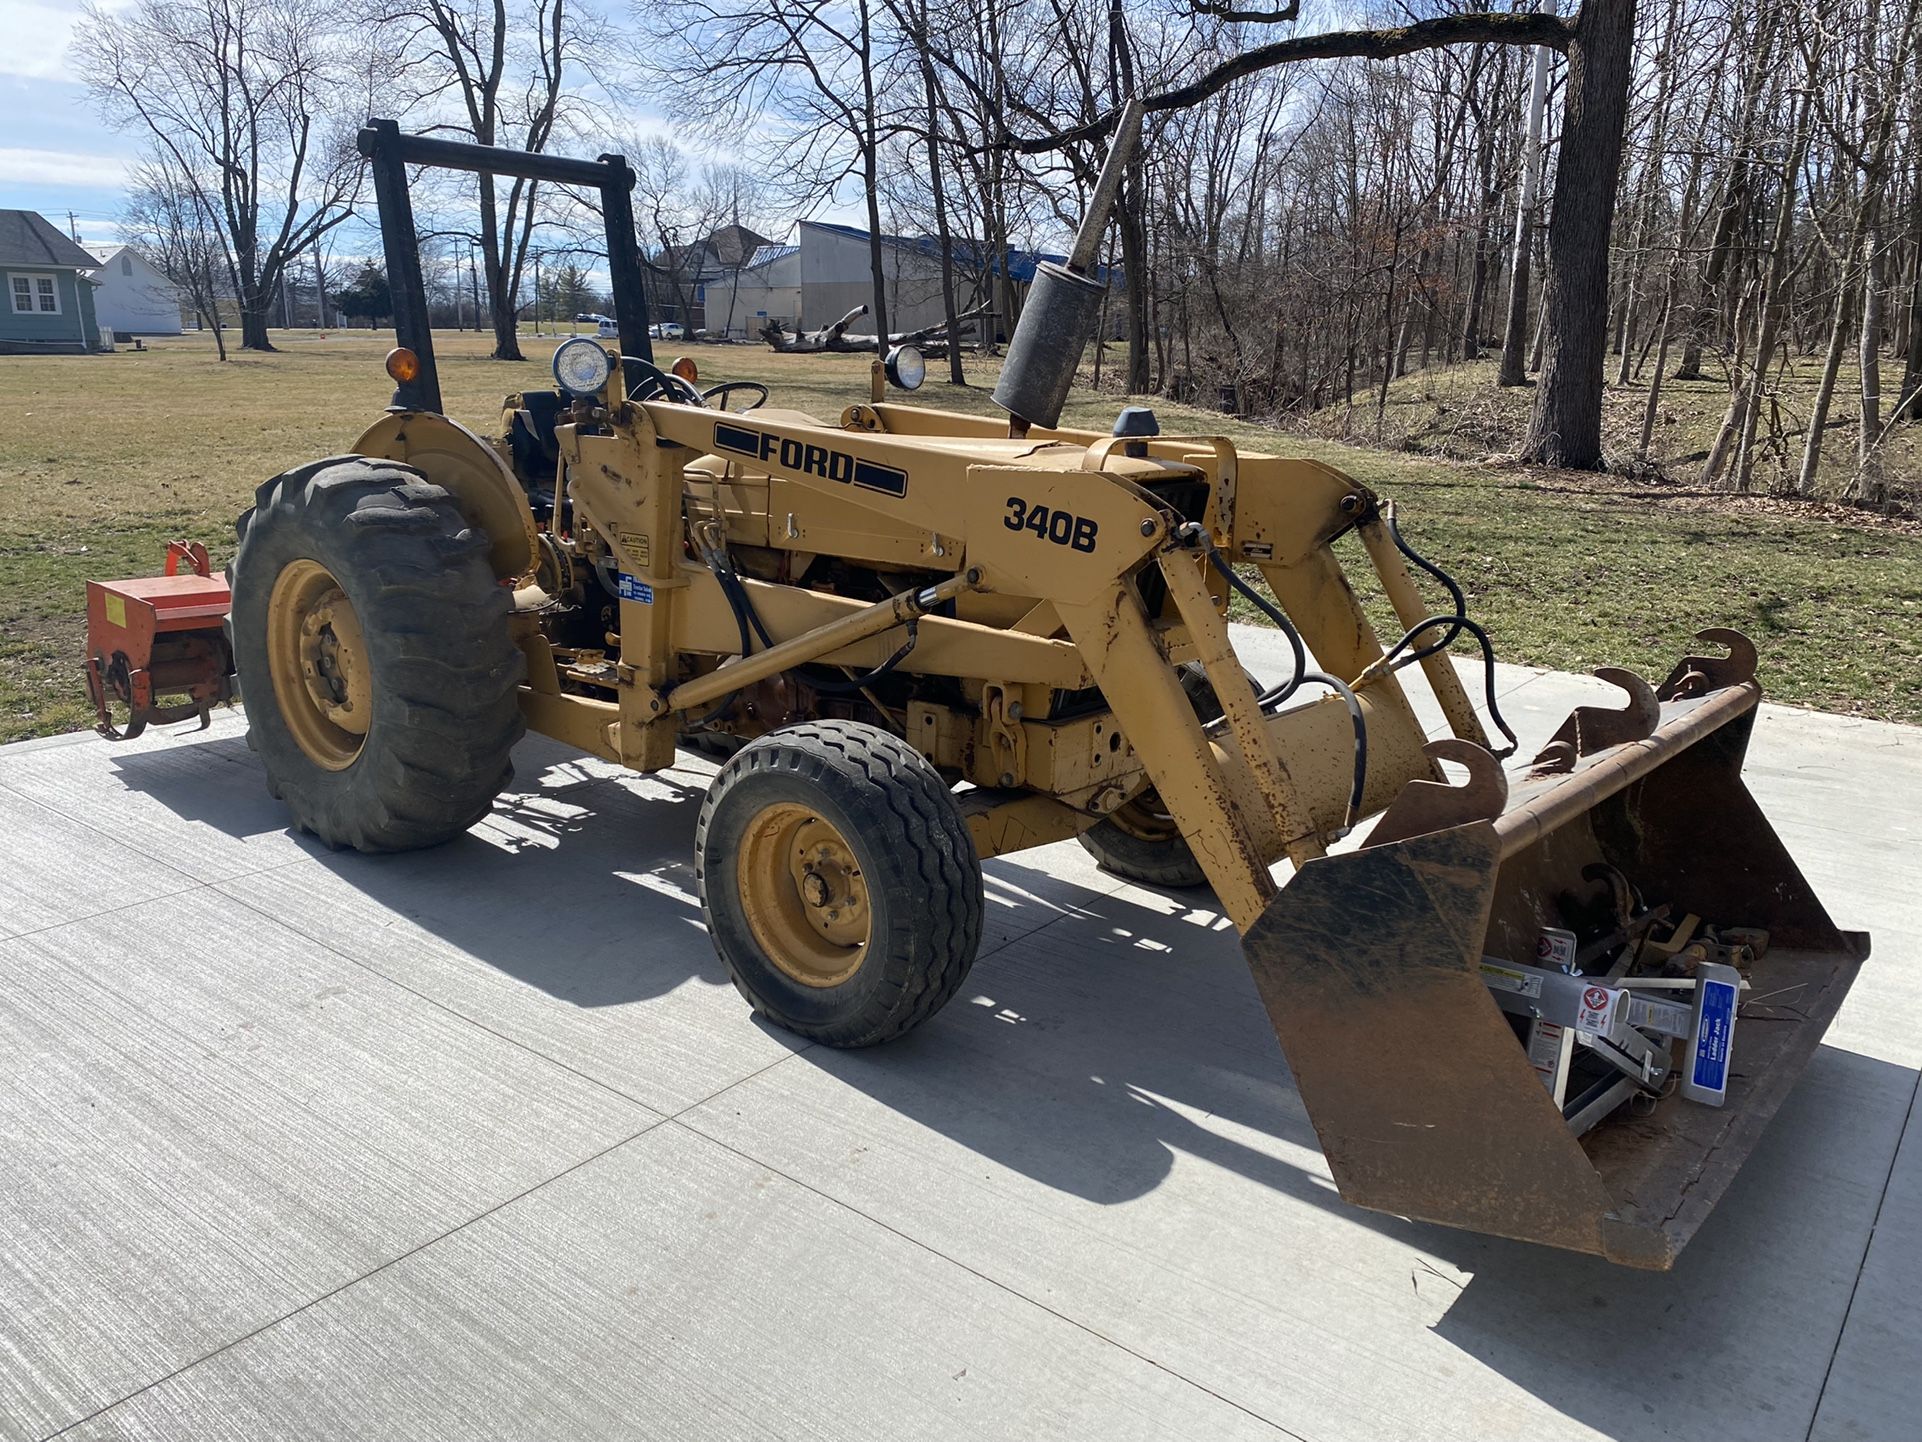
20 166
38 32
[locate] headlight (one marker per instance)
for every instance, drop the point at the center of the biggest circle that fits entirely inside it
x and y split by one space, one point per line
581 367
906 367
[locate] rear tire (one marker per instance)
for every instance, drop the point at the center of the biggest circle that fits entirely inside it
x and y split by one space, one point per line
371 639
839 882
1139 841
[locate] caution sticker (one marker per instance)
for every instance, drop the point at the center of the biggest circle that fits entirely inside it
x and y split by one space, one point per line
116 609
1597 1010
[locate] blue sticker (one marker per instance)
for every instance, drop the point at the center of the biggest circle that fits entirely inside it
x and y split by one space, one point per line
1718 1027
634 589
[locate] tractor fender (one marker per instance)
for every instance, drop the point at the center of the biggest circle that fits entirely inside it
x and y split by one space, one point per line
470 470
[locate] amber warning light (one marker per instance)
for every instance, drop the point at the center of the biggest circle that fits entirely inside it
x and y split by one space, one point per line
403 365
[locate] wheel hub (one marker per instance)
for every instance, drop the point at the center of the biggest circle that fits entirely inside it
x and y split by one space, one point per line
317 659
804 895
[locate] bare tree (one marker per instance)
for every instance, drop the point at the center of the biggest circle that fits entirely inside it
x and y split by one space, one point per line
242 102
1868 153
805 78
164 217
512 73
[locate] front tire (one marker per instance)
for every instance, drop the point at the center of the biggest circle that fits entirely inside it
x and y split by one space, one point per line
372 645
839 882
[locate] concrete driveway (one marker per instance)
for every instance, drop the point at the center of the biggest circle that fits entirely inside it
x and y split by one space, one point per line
479 1143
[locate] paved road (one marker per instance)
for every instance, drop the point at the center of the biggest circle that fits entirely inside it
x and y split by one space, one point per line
478 1143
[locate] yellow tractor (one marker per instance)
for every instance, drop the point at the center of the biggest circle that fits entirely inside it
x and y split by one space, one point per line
916 640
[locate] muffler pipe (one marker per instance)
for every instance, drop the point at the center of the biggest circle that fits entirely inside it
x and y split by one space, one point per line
1064 303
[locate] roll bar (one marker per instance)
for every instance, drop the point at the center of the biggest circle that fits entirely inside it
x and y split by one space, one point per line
390 152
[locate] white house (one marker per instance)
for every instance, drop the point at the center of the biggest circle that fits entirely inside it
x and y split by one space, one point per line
131 296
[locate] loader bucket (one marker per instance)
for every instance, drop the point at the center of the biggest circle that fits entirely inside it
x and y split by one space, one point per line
1419 1085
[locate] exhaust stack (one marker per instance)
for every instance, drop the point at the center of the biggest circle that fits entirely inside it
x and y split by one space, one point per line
1063 304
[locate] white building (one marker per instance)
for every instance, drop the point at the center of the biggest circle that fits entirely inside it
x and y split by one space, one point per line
131 296
837 275
827 271
766 289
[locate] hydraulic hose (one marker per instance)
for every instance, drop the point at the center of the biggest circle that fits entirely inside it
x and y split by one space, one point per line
1458 624
1448 582
1270 699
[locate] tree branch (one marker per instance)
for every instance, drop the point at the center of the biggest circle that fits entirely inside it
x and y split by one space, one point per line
1529 28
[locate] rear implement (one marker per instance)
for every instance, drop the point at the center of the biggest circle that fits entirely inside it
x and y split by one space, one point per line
158 636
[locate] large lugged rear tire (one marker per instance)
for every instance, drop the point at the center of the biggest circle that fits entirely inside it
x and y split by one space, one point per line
1139 841
371 639
839 882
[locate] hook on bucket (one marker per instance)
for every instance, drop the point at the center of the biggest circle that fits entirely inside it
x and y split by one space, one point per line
1589 729
1425 806
1695 675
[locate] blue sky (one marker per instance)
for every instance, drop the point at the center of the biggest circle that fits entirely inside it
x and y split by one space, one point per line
57 156
55 153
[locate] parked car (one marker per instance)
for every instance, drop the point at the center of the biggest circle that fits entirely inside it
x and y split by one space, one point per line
668 330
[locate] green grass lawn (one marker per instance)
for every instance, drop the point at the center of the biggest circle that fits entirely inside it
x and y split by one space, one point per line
105 458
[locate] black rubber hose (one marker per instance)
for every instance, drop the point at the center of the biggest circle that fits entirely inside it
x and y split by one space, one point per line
743 604
1448 581
1340 688
1276 695
1458 624
860 683
1272 698
726 703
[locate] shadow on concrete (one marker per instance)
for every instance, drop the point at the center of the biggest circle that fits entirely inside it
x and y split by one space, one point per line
580 883
1100 1035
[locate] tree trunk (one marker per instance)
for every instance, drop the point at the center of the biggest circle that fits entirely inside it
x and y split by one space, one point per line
949 321
1514 370
1869 355
1912 369
870 171
253 321
1566 426
1858 259
1734 205
1684 224
1739 423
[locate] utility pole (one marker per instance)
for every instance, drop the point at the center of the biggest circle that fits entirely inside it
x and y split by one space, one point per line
73 228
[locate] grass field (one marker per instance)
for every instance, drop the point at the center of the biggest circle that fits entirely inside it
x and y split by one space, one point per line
104 458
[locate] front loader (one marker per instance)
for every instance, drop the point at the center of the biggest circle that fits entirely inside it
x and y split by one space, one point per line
1556 1002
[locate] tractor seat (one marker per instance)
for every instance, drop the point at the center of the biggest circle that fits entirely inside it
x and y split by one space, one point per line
535 448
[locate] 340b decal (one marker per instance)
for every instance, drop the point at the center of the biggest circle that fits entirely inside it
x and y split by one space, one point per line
1064 528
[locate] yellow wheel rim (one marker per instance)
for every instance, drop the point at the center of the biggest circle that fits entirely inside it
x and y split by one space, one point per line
317 658
804 896
1143 818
